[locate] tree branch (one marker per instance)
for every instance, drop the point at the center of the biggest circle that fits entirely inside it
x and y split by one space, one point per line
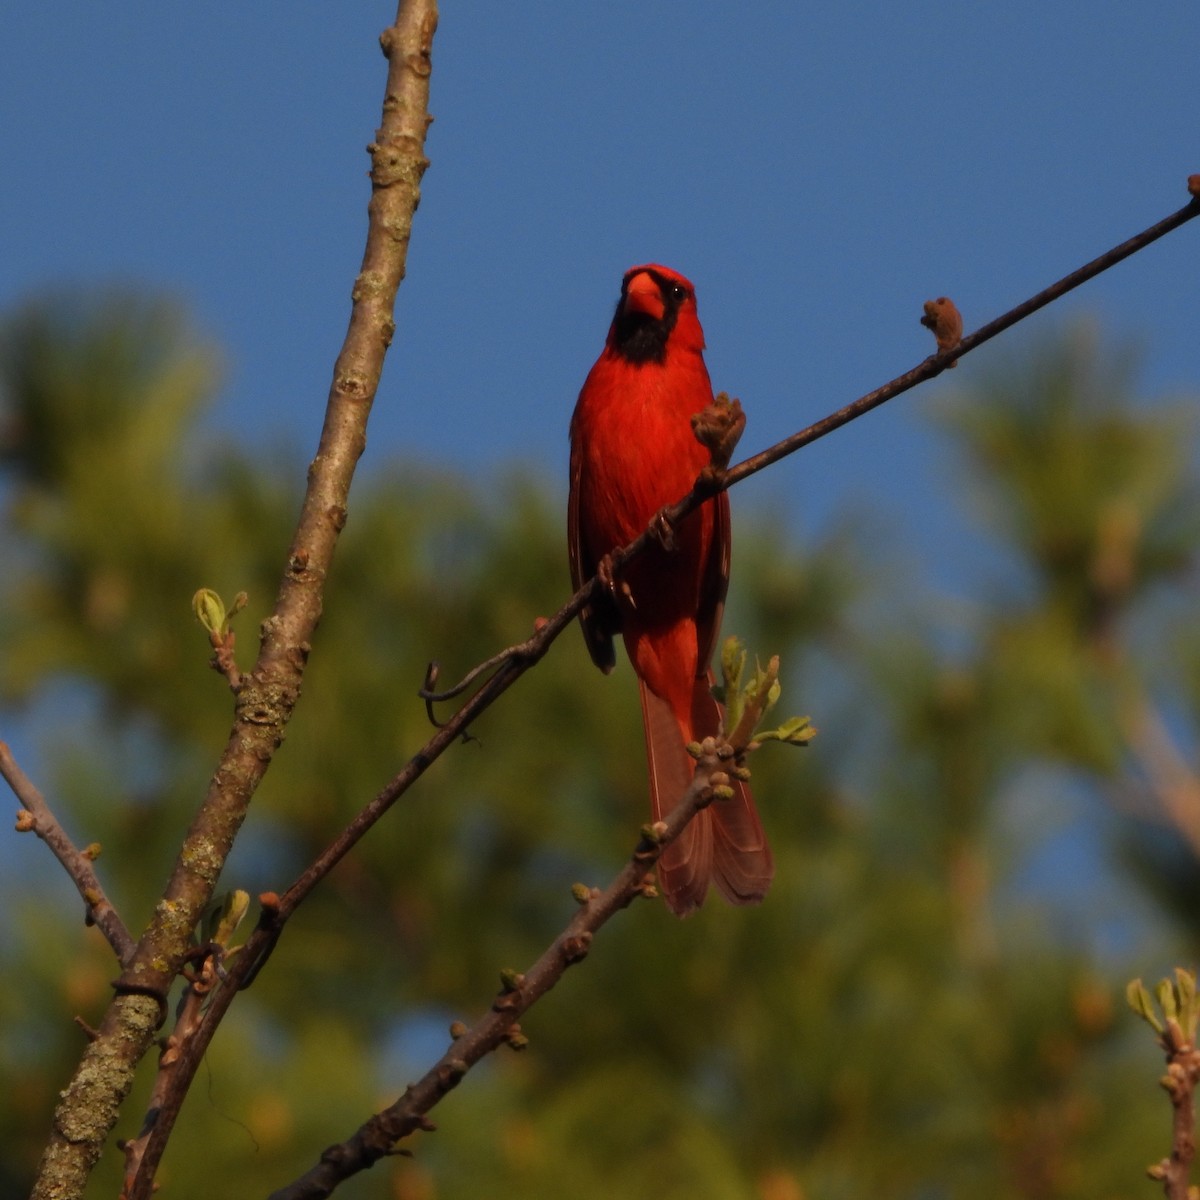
264 705
36 817
936 363
377 1138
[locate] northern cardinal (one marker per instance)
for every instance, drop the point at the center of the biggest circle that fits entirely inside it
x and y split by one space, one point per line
632 453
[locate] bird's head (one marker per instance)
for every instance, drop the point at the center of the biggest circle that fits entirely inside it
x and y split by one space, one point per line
657 309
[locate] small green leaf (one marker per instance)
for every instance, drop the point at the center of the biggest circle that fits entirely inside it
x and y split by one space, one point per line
1189 1007
795 731
1139 1000
228 915
733 663
746 707
1164 993
210 611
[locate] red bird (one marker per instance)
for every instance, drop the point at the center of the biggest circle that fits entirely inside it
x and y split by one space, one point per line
632 453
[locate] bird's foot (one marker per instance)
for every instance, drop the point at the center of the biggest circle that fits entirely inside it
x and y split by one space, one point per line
606 571
662 531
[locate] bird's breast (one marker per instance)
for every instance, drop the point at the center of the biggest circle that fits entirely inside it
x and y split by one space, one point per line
633 429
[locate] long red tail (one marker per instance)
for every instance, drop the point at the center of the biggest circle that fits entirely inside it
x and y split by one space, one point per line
725 842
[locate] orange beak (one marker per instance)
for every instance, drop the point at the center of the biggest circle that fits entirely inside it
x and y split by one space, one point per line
642 295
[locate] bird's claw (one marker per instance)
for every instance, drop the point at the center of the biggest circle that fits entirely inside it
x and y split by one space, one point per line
662 530
606 572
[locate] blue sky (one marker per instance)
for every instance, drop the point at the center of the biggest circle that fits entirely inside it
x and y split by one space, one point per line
817 170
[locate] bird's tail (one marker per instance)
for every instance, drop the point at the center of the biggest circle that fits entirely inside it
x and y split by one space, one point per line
725 842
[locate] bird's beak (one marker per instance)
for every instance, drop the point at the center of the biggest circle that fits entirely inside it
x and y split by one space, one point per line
642 295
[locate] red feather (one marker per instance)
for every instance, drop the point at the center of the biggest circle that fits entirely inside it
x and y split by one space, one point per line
632 453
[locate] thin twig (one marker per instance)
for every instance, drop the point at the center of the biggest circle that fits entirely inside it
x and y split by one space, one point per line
36 817
378 1136
431 675
223 660
936 363
711 481
1183 1072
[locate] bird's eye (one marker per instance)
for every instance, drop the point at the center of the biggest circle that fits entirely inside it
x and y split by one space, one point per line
678 293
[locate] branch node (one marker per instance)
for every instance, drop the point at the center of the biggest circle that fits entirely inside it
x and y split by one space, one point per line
124 987
511 980
450 1073
654 832
576 946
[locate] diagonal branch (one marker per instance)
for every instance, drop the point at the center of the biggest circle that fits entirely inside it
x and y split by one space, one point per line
37 817
711 481
378 1136
264 705
936 363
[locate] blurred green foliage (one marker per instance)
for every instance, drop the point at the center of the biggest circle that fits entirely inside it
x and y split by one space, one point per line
901 1017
